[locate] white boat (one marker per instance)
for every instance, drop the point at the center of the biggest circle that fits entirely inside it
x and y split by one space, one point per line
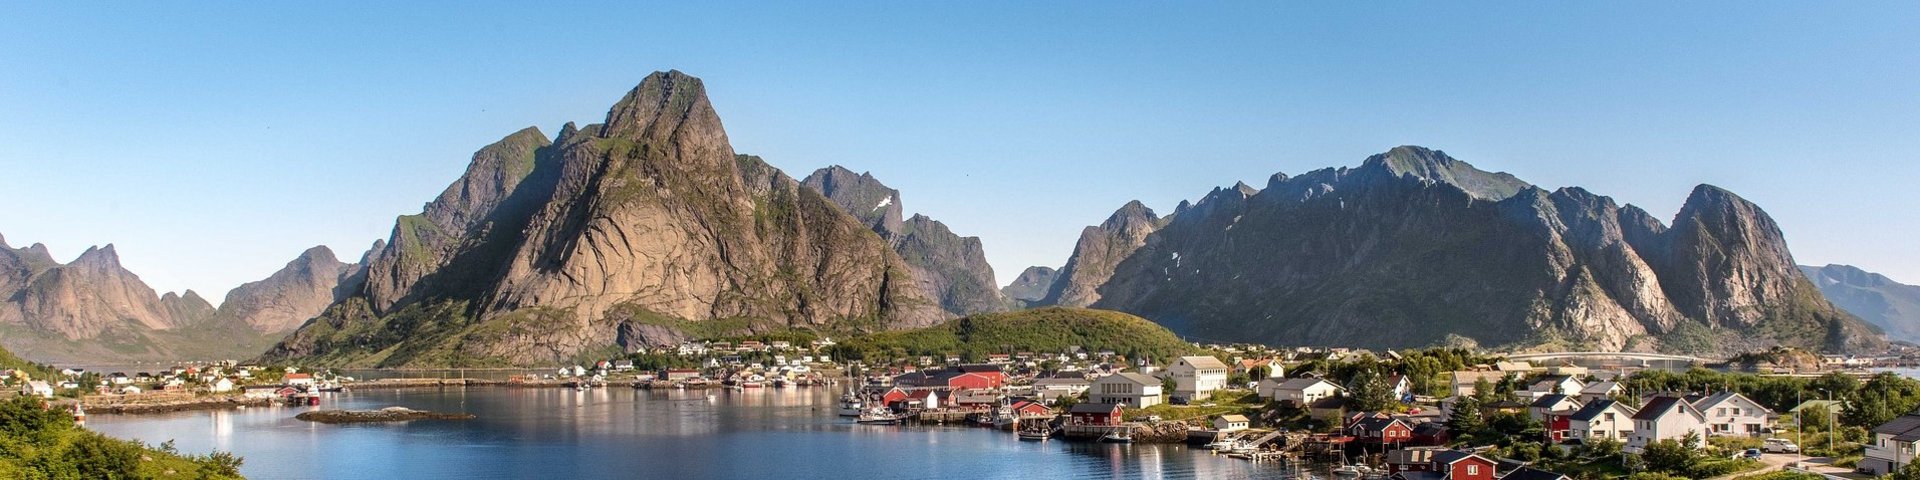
878 417
1117 436
851 406
1346 471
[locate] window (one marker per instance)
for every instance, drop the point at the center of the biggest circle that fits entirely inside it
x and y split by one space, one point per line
1473 469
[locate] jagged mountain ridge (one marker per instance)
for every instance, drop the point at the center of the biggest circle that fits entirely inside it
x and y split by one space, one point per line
95 310
1890 305
947 266
1414 247
615 235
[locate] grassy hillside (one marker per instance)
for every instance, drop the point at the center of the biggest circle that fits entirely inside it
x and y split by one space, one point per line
42 443
1045 330
9 361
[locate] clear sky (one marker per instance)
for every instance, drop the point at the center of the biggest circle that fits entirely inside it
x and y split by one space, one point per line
213 143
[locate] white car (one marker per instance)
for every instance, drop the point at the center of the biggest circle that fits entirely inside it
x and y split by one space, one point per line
1780 445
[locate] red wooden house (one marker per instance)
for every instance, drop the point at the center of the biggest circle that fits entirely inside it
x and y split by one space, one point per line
1095 414
1029 408
1386 431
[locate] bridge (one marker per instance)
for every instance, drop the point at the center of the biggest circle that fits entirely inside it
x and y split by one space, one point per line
1643 358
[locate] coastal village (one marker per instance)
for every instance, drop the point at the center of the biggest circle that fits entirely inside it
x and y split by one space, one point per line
1427 414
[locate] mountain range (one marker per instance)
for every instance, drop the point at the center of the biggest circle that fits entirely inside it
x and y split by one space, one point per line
647 229
1414 248
94 310
1890 305
630 233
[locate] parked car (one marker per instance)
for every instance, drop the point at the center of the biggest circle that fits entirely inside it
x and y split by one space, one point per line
1780 445
1752 453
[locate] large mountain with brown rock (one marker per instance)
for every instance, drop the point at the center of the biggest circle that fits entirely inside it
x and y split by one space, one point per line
946 266
93 311
295 293
1890 305
1416 248
613 236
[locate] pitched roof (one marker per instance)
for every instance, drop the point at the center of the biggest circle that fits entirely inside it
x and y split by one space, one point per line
1659 406
1203 361
1718 398
1549 401
1234 418
1100 408
1600 388
1133 377
1302 383
1373 424
1593 410
1906 428
1450 457
1530 473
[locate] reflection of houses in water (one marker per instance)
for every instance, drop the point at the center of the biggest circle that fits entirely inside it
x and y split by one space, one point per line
222 429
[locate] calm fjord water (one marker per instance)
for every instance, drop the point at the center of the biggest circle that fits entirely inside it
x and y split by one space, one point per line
622 433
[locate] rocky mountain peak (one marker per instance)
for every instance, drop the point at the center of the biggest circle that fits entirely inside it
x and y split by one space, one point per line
1133 213
98 258
659 107
1436 166
862 196
1031 285
291 295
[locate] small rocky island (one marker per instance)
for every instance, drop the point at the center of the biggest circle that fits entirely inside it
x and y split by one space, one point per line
389 414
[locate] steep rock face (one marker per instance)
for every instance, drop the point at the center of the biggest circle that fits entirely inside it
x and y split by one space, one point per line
426 243
1099 251
1425 246
949 267
81 299
295 293
1890 305
862 196
1031 285
946 266
647 218
94 310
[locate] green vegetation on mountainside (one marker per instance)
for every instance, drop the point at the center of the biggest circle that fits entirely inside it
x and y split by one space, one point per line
1046 330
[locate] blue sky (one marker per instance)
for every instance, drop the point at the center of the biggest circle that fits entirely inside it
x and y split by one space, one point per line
212 143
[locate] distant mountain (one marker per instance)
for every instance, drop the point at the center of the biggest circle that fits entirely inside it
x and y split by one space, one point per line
295 293
1415 248
1031 285
1100 250
947 266
93 310
1873 297
613 236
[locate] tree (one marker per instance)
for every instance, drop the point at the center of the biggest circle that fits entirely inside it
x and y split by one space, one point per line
1883 398
1668 456
1466 417
1816 417
1909 472
1600 448
1371 392
1483 390
1259 372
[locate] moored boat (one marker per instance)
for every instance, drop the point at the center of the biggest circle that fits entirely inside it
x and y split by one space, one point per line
878 417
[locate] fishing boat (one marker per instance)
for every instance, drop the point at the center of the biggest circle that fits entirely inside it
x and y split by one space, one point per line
1347 471
1036 433
850 405
1117 436
878 416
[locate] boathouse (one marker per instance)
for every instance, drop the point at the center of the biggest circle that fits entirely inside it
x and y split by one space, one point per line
1096 414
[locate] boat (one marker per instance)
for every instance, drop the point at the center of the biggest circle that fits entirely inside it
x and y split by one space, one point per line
779 383
1347 471
850 405
1039 434
1117 436
878 416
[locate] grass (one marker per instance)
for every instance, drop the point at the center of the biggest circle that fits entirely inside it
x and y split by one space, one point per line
1225 403
1046 330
